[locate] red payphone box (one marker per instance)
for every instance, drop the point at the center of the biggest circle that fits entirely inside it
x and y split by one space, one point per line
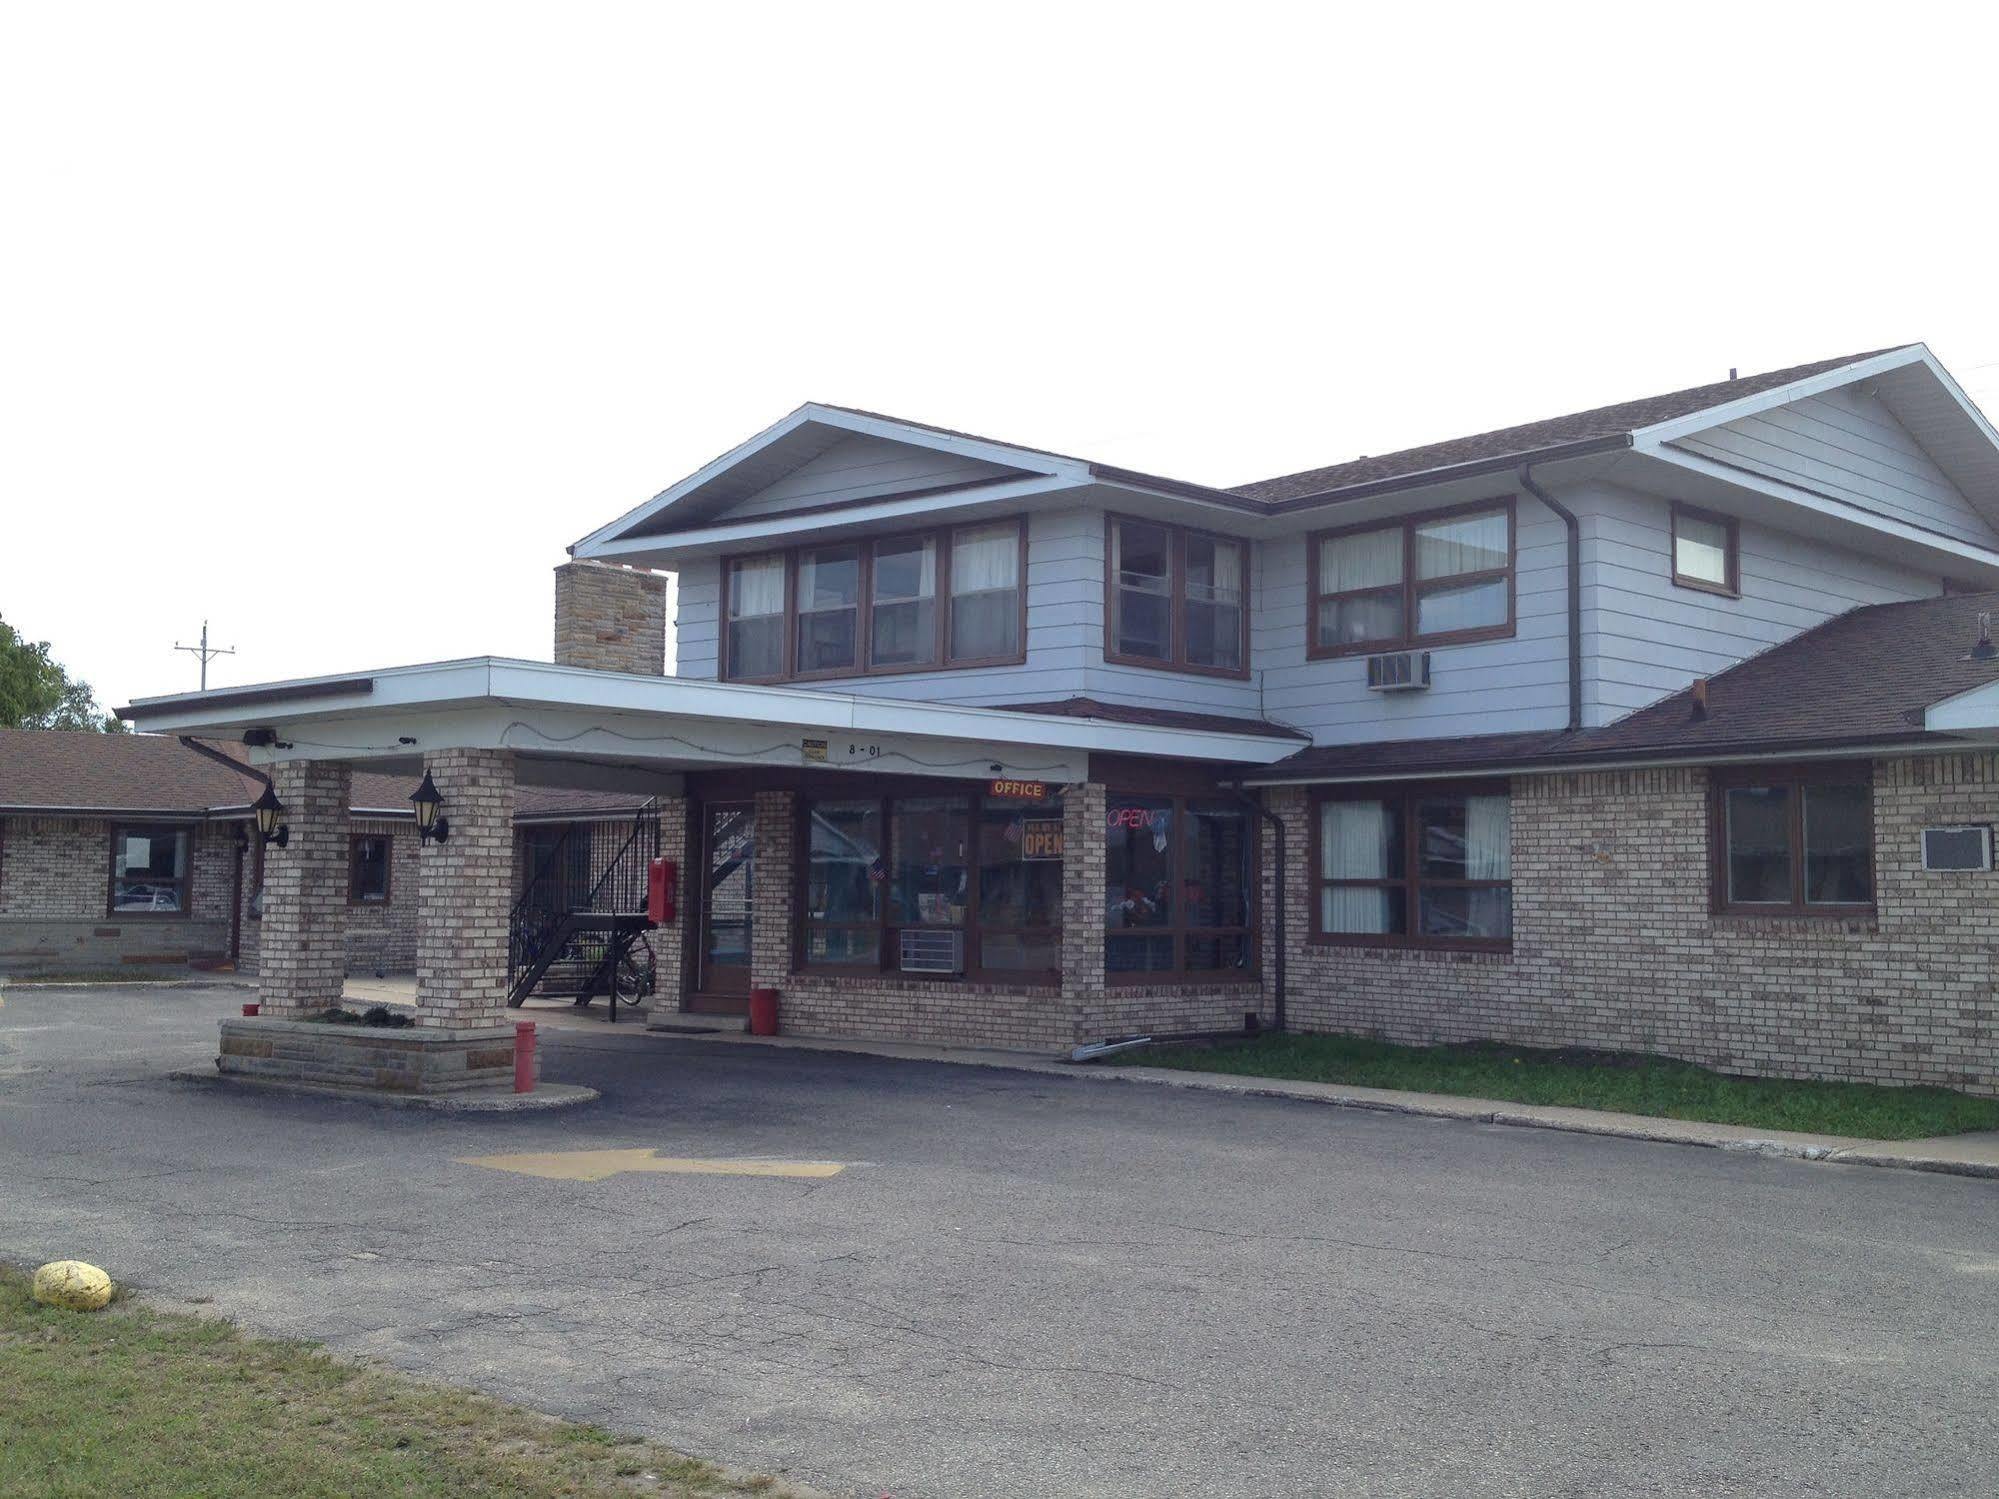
662 881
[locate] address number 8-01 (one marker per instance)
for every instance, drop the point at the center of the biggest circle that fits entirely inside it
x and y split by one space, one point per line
870 751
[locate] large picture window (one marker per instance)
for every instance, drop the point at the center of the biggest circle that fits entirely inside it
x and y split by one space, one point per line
1179 879
149 870
1176 599
978 877
1794 842
1416 865
951 598
1428 580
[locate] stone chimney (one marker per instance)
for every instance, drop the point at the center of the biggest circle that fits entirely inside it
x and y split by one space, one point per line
610 618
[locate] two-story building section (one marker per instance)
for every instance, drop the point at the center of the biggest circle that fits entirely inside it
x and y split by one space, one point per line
1661 727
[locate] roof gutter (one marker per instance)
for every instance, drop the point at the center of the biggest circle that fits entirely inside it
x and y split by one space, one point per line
1575 572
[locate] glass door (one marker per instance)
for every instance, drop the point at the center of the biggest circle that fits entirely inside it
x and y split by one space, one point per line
728 860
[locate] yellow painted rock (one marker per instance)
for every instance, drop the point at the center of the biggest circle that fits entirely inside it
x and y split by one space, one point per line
71 1283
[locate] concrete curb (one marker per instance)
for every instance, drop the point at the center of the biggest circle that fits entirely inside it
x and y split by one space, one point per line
1937 1155
546 1096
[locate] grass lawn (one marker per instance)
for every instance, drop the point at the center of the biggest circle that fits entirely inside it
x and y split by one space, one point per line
1625 1084
140 1403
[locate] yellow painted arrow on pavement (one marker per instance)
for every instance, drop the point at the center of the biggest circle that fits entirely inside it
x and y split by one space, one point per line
595 1165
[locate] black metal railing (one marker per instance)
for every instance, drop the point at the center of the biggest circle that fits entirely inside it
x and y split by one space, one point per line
559 924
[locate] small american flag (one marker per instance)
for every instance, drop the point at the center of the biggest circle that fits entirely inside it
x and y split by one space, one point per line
1015 830
878 871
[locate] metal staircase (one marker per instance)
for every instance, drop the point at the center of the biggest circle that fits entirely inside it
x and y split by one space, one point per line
578 931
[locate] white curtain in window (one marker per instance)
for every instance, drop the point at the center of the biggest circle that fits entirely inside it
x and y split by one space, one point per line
1223 585
1488 838
1353 837
1462 544
1464 606
1372 559
985 557
757 588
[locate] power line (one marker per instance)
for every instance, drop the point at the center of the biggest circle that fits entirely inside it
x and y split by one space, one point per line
205 653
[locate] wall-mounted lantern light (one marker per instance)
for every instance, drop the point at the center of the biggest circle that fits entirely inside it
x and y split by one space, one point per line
430 828
267 809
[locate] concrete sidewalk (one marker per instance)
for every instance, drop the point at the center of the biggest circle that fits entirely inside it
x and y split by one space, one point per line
1974 1154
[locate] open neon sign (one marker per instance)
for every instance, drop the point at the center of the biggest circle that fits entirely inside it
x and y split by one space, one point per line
1137 817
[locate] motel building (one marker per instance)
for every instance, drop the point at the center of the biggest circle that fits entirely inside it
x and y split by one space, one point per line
1664 727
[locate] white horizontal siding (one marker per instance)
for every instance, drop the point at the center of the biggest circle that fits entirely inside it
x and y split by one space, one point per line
1846 443
1490 687
862 467
1644 637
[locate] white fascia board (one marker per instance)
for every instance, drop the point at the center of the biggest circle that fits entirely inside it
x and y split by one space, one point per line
1782 395
435 697
608 541
1826 505
1969 712
776 530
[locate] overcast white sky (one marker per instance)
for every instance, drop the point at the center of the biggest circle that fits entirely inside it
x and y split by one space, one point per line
337 324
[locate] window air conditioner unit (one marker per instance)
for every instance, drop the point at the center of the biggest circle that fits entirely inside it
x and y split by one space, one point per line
1966 848
1400 671
931 951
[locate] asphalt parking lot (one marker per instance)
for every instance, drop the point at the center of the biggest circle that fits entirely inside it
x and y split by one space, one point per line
1023 1285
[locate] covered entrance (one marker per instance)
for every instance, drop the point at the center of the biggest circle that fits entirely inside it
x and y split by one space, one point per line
726 861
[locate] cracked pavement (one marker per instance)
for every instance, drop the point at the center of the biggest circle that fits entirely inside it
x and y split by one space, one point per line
1027 1286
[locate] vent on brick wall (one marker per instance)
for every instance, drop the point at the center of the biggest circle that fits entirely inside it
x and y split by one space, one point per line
1400 671
932 952
1966 848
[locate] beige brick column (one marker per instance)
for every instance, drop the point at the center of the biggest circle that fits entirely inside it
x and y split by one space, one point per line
1083 906
302 958
610 618
464 892
670 941
771 899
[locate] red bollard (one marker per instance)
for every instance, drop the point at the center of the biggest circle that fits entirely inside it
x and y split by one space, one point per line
524 1056
249 1009
763 1012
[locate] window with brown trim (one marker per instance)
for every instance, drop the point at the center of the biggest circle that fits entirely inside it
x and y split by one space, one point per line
369 869
1415 865
976 878
1441 578
149 870
1175 599
1797 841
952 597
1706 554
1180 883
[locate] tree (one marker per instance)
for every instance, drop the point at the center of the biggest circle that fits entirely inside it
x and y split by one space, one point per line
36 693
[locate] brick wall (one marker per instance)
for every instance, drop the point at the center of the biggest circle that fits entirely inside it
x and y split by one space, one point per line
610 618
303 948
55 875
1614 945
464 892
381 936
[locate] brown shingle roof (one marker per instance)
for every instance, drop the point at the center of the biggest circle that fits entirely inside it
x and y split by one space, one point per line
1863 678
1523 442
1160 718
50 770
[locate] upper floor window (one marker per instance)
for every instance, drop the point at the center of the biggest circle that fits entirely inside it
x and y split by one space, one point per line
1704 552
1432 579
1793 842
952 597
1177 598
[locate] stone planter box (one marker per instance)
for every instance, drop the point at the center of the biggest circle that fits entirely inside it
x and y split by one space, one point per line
373 1058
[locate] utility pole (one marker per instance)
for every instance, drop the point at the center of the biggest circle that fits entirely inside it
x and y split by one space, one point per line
205 653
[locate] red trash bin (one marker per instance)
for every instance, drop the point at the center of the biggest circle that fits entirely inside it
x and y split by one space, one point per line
763 1012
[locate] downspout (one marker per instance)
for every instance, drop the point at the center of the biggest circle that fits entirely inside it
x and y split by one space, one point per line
1277 932
1575 571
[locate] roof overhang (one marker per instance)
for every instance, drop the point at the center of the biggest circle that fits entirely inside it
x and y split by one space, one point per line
609 730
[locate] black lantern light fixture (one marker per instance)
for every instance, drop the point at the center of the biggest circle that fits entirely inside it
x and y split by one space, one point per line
430 828
267 809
